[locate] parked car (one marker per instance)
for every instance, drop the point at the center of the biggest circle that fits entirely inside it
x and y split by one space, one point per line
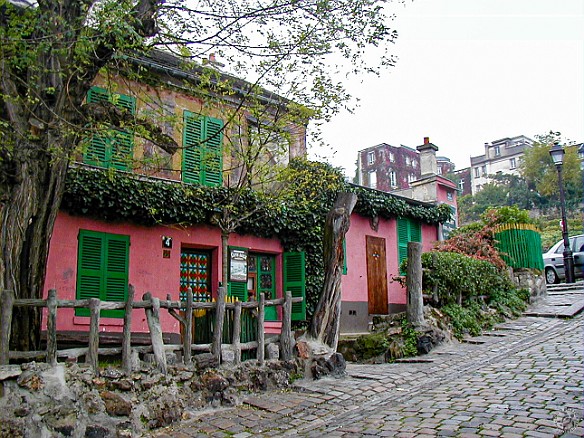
553 260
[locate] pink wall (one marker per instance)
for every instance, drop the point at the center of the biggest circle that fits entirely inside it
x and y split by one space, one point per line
354 283
148 270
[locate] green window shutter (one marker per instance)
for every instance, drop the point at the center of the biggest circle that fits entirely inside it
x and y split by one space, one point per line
202 150
294 281
116 271
238 289
116 151
192 133
102 269
89 267
213 152
407 231
402 240
345 257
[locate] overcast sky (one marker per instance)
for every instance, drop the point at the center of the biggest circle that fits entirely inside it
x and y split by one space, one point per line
470 72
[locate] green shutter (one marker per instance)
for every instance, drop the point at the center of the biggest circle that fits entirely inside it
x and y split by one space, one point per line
102 269
202 150
407 231
115 151
191 164
402 240
213 152
294 281
238 289
345 256
116 271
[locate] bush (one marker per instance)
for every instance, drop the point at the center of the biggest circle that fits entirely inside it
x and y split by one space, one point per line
371 345
461 279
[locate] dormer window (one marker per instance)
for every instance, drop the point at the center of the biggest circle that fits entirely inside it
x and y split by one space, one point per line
371 158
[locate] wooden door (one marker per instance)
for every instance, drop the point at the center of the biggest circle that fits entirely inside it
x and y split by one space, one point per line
376 276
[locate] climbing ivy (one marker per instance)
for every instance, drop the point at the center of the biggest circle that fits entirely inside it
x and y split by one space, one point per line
295 216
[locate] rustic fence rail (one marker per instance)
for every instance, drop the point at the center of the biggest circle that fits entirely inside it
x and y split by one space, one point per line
152 307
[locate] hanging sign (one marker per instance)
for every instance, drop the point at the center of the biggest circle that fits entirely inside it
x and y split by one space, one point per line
238 265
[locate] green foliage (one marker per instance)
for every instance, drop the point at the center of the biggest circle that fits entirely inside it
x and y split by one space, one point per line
458 278
551 230
371 345
506 215
410 337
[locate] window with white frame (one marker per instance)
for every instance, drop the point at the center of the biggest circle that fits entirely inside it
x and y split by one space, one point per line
370 157
450 196
392 157
408 160
484 170
461 184
477 172
411 177
497 150
392 178
414 163
373 179
512 163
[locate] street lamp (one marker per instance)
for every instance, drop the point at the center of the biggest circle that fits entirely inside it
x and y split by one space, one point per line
557 153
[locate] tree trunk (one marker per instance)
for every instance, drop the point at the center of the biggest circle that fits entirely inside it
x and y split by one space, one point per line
415 302
325 323
27 220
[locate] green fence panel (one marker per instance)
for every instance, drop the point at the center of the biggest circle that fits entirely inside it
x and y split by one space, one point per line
520 246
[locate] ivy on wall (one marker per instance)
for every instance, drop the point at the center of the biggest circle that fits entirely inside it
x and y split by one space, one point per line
295 216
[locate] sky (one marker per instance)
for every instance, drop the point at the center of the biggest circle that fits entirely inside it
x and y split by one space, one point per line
469 72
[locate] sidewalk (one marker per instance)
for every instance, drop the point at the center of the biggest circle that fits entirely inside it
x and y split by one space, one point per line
524 378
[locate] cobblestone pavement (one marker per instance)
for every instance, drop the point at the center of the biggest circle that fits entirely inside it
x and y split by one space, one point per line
525 378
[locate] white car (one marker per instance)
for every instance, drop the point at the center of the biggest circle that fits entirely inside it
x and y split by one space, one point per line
553 260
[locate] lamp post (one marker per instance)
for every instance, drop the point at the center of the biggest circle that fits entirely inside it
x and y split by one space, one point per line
557 153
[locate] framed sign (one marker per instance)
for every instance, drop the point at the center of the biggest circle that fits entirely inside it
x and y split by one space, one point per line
237 264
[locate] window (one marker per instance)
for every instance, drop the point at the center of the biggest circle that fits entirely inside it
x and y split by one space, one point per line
373 179
450 196
270 144
391 157
408 161
477 172
484 170
414 163
497 150
202 150
114 148
102 269
461 184
392 178
439 170
370 158
512 163
411 177
408 230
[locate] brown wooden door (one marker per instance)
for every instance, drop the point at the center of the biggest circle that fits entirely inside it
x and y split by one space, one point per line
376 275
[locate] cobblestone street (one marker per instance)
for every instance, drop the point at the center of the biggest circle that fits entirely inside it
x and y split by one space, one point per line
524 378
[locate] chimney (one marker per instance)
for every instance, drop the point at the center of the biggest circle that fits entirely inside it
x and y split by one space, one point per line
428 163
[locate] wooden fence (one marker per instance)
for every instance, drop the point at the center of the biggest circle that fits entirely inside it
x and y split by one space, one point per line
152 307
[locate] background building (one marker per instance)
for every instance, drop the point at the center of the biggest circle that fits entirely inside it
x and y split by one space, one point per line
501 156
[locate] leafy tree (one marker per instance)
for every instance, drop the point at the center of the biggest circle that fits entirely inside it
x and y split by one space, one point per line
51 52
540 173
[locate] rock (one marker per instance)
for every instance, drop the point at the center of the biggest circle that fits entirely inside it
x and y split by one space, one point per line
227 355
333 366
150 381
31 380
97 431
9 371
123 384
93 402
303 350
115 404
273 351
205 360
112 373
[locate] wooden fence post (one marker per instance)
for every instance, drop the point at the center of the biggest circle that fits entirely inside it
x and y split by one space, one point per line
52 328
188 329
286 335
6 305
415 302
92 351
153 318
218 329
237 332
260 353
127 333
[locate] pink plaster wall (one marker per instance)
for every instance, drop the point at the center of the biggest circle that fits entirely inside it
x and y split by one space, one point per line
354 283
148 270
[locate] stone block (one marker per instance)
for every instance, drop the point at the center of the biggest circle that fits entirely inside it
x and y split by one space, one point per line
273 351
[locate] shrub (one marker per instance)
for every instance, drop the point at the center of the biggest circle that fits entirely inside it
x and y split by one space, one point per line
461 279
371 345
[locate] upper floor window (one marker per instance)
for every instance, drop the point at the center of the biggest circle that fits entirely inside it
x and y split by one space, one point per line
111 147
439 170
373 180
414 163
484 170
202 160
391 157
512 163
370 157
477 172
450 196
461 184
411 177
408 160
497 150
392 178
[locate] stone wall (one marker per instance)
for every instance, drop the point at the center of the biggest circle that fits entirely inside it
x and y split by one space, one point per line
532 280
37 400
